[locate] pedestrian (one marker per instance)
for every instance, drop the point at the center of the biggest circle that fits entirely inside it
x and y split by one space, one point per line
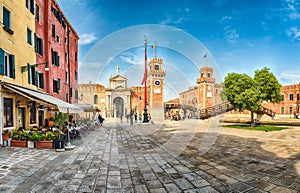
135 117
140 118
100 119
131 118
273 115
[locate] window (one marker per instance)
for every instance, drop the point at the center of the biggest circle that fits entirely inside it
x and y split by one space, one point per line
7 64
55 86
208 75
282 97
37 13
75 56
282 110
53 31
32 75
38 45
71 92
29 36
298 97
58 84
6 20
30 5
96 99
32 109
67 97
290 110
8 112
156 67
57 39
76 94
40 80
55 57
76 75
291 97
67 76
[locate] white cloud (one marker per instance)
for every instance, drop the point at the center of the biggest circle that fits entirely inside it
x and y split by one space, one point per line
87 38
294 33
134 59
79 2
289 7
226 19
172 20
289 77
231 35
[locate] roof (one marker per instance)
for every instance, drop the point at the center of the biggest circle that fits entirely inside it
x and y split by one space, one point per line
118 77
173 101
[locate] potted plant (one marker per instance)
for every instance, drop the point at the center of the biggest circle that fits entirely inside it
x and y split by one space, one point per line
33 138
5 135
19 138
46 140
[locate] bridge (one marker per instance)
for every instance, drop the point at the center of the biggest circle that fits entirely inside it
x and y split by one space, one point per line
215 110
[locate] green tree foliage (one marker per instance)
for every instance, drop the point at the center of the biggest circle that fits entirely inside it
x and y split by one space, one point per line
246 93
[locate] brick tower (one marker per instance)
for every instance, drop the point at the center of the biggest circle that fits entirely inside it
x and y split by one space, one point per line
156 76
206 84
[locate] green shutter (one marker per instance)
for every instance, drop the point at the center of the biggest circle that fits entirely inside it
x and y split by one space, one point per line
1 61
41 80
35 43
6 19
12 66
41 46
29 72
32 6
36 78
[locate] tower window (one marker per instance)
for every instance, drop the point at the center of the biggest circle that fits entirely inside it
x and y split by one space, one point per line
208 75
156 67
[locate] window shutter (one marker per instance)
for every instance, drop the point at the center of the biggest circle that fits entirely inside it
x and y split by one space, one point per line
53 57
35 43
41 47
36 77
1 61
41 80
58 84
12 66
29 72
32 6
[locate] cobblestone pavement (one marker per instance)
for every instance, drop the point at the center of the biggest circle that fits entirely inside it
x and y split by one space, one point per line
150 158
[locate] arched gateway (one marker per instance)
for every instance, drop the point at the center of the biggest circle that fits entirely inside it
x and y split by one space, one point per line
118 107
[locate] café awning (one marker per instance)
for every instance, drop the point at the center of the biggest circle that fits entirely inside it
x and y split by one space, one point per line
62 106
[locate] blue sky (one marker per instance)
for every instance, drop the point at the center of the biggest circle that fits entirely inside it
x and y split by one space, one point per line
240 36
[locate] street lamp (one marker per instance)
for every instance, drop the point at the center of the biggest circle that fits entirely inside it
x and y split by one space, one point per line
26 68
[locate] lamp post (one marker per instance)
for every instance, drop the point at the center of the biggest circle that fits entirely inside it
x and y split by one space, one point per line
26 68
145 82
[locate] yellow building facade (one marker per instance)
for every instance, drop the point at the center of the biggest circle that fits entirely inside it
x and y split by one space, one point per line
16 50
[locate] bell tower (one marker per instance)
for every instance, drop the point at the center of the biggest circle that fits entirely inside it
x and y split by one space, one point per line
206 84
156 77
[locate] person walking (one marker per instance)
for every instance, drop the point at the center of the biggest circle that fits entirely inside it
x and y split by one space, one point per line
100 119
140 118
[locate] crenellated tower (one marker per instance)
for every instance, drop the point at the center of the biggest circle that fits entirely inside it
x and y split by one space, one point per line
156 77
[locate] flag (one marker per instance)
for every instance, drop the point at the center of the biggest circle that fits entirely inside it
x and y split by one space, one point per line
145 77
153 46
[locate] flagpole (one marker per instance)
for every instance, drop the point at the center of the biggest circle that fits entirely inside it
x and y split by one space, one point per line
145 82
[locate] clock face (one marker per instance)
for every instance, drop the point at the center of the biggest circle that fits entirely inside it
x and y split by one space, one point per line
157 82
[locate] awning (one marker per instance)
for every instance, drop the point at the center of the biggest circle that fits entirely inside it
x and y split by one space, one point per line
88 107
62 106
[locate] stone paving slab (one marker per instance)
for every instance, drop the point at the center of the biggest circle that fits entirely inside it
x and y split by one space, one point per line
155 158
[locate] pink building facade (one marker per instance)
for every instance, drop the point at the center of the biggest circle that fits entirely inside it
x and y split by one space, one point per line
56 46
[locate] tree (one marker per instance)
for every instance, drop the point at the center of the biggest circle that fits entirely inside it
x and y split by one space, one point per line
246 93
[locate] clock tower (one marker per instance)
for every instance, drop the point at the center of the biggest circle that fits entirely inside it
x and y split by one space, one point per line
156 77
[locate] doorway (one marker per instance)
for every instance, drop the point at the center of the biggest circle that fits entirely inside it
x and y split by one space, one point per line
21 117
118 107
41 118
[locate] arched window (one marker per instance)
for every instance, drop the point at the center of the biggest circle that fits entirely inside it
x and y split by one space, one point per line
96 99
